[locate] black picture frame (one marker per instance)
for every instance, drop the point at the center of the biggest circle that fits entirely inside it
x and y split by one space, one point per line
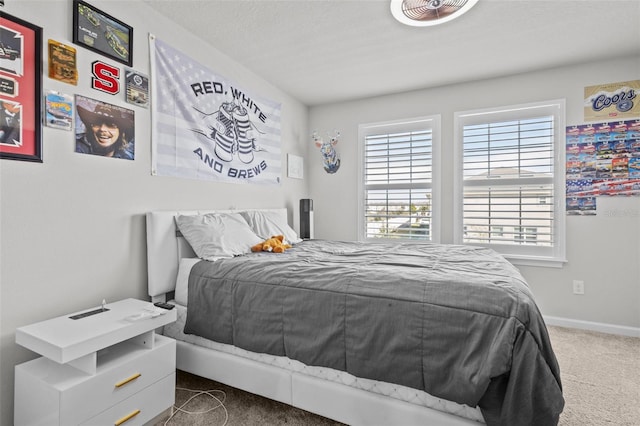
102 33
20 90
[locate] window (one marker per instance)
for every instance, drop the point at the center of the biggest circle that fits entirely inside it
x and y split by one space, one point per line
509 181
398 194
525 235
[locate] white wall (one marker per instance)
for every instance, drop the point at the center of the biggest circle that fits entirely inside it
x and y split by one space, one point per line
602 250
72 228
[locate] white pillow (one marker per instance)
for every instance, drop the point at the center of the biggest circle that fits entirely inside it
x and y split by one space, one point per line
266 224
182 281
213 236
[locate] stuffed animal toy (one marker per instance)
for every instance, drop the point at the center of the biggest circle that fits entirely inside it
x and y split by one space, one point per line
274 244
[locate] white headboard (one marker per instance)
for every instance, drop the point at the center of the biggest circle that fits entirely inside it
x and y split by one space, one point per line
165 248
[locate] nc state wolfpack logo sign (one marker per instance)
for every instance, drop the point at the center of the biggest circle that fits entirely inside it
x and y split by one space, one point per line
105 78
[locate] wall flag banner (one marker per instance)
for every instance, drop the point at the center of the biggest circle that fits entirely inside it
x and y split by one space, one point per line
206 127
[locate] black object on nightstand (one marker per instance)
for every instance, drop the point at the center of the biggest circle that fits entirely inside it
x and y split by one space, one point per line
164 305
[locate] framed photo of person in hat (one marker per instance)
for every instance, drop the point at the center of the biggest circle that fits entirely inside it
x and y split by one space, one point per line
104 129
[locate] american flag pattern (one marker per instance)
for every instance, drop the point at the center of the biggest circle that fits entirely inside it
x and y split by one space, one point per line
205 127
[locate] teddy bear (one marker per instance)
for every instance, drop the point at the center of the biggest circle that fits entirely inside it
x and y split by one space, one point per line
274 244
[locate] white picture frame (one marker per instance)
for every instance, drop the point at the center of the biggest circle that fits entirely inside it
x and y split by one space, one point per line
295 166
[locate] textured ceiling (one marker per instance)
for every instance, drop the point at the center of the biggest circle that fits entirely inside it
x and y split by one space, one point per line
324 51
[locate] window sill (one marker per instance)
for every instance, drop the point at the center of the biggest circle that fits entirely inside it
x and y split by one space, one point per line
542 262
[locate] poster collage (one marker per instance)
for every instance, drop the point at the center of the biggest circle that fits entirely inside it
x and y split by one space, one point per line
223 132
603 157
100 126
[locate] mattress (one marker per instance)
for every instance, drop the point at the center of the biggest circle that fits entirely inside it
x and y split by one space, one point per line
403 393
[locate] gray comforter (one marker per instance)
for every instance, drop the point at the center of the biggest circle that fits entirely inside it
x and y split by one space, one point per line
457 322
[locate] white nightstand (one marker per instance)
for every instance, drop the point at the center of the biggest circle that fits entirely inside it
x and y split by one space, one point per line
108 368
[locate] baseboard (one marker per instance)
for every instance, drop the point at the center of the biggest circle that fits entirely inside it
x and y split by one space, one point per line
622 330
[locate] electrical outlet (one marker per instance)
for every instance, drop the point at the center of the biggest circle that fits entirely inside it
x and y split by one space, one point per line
578 287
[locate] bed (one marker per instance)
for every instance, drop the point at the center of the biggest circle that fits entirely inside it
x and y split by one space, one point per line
464 344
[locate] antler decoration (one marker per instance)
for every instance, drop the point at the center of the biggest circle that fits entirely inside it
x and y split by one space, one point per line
330 157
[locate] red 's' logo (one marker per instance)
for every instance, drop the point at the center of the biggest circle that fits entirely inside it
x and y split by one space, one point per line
105 77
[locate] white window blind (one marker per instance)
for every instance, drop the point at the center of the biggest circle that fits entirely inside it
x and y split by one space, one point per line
397 176
509 163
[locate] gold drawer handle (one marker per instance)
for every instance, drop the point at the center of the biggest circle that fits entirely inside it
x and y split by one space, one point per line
127 418
127 380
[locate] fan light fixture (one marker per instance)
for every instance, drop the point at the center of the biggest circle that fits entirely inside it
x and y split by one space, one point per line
423 13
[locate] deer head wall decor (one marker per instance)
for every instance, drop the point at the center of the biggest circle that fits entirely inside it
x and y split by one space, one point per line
330 157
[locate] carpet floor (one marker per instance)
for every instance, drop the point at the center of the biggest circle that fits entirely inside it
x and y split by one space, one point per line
600 377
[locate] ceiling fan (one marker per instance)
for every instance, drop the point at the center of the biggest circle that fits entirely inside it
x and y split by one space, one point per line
422 13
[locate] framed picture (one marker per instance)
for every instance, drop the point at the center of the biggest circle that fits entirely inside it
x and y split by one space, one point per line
137 88
295 166
104 129
20 89
102 33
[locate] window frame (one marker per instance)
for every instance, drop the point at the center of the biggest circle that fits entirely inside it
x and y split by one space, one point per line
526 254
399 126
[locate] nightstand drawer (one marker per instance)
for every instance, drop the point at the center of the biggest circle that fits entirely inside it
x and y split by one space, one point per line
139 408
124 371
